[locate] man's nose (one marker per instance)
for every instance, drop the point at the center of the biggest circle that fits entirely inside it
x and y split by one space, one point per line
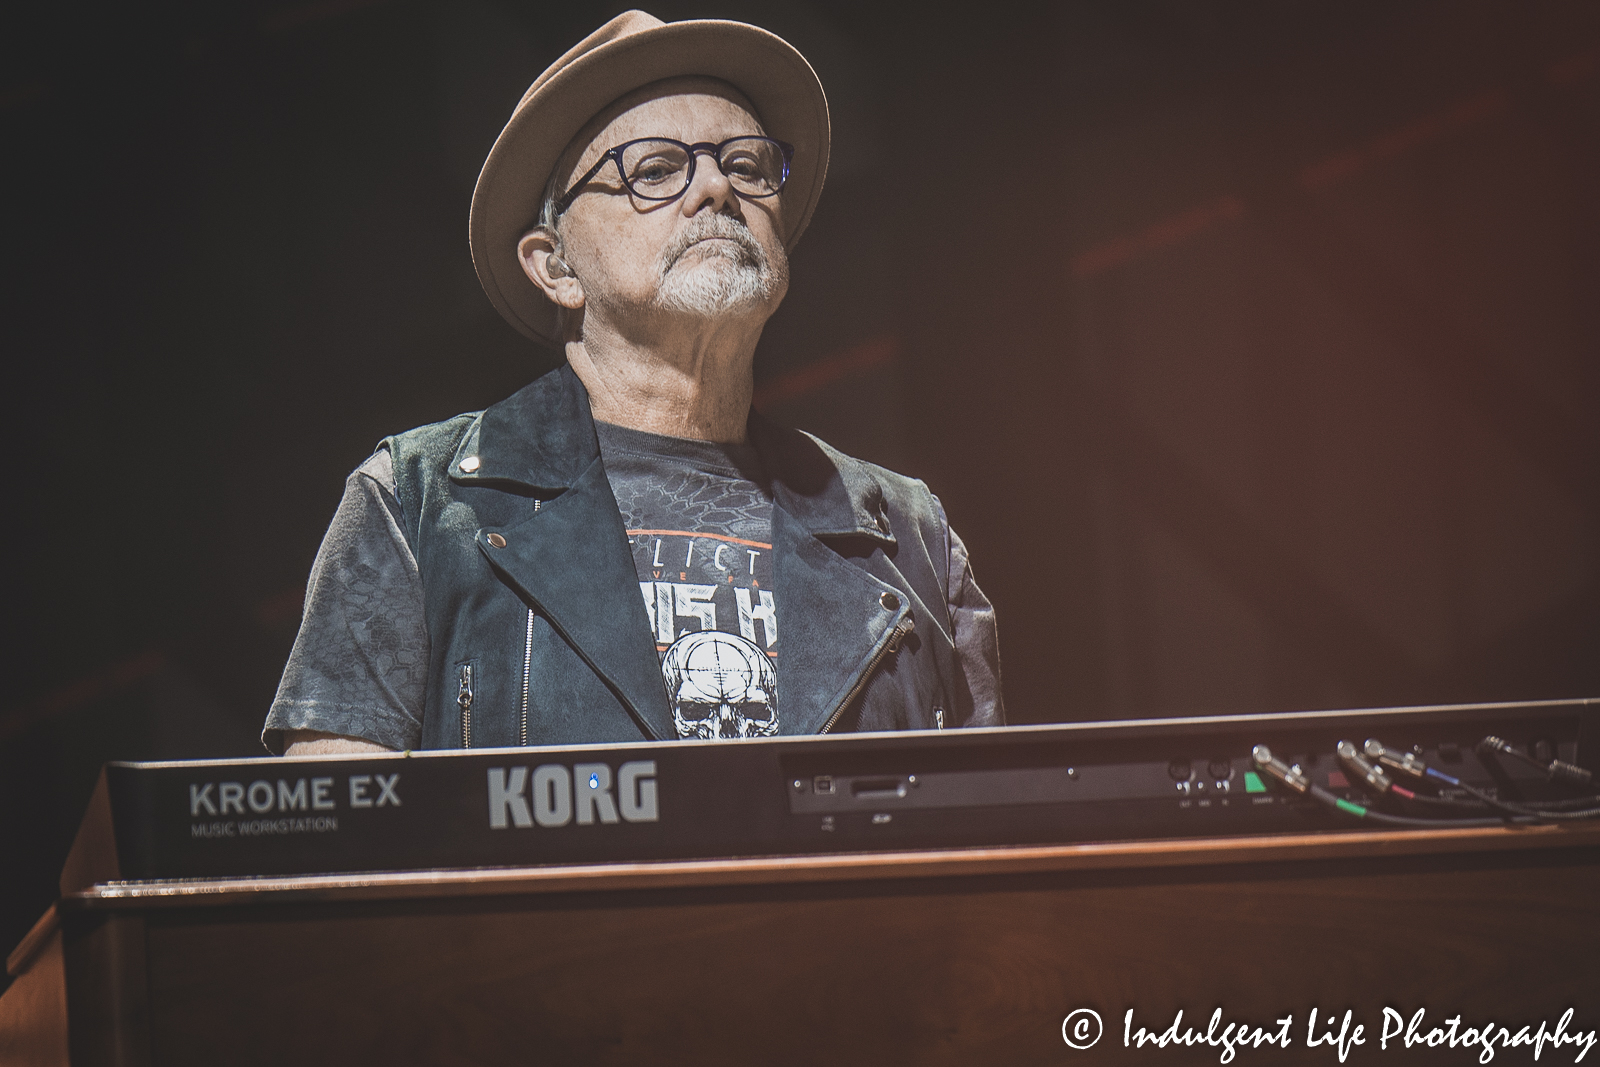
710 189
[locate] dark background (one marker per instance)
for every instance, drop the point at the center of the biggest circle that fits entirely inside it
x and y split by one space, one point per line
1250 345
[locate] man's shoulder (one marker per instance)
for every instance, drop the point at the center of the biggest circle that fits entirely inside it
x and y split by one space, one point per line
835 484
503 442
435 438
861 472
421 458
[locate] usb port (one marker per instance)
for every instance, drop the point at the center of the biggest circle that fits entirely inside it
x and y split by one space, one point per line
822 783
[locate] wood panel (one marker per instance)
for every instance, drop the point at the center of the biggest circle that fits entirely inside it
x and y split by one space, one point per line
108 1008
964 971
33 1011
764 870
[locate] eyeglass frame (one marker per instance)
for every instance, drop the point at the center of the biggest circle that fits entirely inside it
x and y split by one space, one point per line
615 155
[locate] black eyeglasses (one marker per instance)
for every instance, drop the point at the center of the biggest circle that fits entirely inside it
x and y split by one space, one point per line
659 168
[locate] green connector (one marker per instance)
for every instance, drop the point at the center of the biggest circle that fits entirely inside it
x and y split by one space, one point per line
1253 783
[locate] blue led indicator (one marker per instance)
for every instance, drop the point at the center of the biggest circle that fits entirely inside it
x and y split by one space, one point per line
594 781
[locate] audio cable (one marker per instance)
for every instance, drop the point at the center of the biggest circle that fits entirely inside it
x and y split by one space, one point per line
1296 779
1378 782
1414 765
1555 770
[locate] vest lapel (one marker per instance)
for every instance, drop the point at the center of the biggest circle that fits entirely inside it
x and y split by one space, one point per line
569 558
832 610
834 622
595 605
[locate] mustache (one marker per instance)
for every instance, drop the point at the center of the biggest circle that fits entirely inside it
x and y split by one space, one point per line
705 227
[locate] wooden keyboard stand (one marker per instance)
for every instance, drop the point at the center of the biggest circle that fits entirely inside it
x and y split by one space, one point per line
962 957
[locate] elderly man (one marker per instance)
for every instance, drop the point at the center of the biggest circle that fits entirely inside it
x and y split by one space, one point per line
608 554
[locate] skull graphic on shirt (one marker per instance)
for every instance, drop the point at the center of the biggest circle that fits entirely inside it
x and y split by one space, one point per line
721 686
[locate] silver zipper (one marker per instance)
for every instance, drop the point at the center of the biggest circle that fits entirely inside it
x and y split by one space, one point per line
464 699
527 671
897 635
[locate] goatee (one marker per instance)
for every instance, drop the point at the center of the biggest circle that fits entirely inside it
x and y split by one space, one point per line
725 275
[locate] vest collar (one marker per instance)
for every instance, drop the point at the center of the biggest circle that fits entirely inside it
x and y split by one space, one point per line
542 438
829 493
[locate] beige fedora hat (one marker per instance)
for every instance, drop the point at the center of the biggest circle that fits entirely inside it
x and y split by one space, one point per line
633 50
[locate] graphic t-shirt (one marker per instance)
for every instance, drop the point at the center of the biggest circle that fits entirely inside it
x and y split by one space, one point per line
699 522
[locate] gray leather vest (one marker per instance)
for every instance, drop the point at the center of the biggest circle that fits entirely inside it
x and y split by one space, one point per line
538 633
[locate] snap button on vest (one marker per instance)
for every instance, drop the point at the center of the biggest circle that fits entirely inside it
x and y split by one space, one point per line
496 540
469 464
890 602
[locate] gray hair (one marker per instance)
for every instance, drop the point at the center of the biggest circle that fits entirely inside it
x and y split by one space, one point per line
548 217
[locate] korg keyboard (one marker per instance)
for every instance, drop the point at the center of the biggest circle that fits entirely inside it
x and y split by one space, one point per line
932 898
1101 781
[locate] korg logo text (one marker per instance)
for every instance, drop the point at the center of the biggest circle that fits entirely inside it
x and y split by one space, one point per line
559 795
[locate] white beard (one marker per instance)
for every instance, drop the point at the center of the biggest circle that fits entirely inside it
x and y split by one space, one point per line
719 277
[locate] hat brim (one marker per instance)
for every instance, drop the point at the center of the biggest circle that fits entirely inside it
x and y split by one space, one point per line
775 77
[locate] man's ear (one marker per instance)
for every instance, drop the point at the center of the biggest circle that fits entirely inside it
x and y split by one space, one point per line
534 252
